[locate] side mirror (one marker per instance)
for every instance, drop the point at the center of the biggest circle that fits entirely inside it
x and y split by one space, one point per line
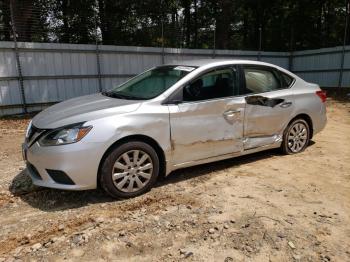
176 102
172 102
175 99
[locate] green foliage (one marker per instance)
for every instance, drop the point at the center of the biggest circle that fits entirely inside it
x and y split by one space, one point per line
284 25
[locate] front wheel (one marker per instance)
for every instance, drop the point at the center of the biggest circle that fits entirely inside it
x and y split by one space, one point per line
129 170
296 137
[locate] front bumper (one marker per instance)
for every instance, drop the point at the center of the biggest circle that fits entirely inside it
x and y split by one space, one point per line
78 161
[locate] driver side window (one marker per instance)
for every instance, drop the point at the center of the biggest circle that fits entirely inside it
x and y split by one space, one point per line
221 82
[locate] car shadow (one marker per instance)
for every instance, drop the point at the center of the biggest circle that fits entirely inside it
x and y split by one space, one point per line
204 169
51 200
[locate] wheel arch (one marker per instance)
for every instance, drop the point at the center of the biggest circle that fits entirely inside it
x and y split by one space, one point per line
308 120
141 138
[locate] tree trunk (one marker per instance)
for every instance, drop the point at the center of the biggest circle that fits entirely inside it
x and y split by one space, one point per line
187 20
347 37
195 42
65 26
223 20
5 21
105 25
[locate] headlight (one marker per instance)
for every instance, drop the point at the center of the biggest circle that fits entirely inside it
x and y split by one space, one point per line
65 135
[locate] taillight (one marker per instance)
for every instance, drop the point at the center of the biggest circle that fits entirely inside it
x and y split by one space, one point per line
322 95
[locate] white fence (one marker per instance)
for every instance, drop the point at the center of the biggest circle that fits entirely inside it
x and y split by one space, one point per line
36 75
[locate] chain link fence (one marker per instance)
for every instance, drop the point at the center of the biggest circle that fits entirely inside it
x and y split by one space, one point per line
49 54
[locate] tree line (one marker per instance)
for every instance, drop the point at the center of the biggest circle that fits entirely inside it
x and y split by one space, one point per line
272 25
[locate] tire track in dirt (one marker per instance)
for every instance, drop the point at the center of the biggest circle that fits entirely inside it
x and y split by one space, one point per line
151 203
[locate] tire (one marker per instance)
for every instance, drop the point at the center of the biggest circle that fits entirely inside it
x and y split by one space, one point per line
119 170
296 137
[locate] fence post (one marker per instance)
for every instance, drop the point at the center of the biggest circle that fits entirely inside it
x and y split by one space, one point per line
18 62
98 64
162 33
291 61
214 41
340 81
163 55
344 44
163 50
260 43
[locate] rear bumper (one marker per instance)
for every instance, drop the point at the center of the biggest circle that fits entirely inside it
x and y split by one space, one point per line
320 120
68 167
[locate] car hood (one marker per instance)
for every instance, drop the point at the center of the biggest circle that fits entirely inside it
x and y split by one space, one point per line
81 109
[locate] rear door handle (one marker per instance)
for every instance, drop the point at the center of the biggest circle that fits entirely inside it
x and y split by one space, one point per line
286 104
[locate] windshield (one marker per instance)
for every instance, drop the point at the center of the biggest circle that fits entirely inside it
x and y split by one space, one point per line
151 83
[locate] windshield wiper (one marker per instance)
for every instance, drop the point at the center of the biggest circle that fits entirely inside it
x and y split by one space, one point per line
120 96
112 94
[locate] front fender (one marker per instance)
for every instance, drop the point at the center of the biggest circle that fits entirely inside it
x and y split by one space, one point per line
149 120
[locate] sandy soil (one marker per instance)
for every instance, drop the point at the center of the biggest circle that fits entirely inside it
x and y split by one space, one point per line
262 207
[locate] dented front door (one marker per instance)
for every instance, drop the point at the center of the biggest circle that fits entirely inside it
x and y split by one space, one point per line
205 129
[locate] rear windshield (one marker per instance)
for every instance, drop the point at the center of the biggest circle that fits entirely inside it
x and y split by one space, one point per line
151 83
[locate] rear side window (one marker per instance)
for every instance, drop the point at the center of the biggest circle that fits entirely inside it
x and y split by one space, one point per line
286 79
260 80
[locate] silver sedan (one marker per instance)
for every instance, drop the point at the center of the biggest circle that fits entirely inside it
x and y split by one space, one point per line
170 117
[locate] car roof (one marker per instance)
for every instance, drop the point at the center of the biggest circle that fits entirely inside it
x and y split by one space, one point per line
217 62
210 63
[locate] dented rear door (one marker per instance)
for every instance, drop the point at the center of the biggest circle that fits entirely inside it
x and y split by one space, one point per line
269 106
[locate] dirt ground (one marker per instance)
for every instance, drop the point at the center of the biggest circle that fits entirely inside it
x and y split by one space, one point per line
262 207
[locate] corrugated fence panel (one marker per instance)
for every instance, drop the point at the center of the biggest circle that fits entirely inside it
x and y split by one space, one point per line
347 60
322 66
56 72
280 61
169 58
127 64
9 89
329 79
346 78
7 64
10 92
10 111
317 62
346 75
111 82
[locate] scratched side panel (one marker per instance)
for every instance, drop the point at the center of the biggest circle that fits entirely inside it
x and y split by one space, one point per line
200 130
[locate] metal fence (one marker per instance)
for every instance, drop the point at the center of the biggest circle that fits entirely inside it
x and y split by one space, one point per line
36 75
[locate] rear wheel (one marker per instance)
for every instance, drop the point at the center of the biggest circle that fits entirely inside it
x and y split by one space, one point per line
296 137
129 170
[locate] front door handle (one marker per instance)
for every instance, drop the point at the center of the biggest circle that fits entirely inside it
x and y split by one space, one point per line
231 113
286 104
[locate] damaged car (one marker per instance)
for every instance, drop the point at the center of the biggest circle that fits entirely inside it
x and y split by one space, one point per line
170 117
